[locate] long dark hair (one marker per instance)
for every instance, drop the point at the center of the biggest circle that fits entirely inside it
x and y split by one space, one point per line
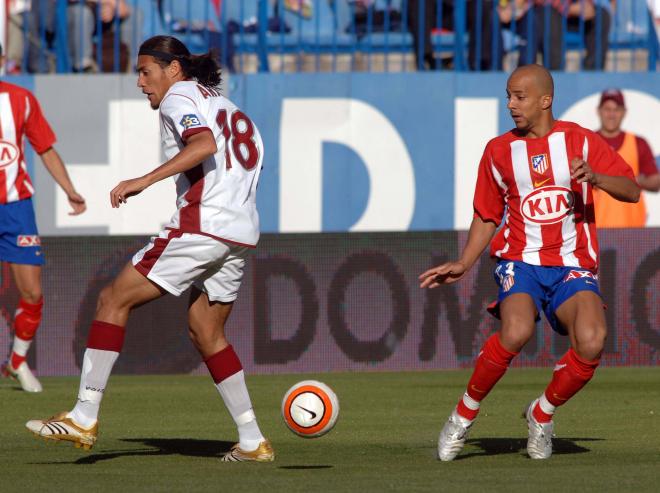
165 49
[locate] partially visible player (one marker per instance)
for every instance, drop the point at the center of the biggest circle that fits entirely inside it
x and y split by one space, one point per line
635 151
537 182
214 152
20 245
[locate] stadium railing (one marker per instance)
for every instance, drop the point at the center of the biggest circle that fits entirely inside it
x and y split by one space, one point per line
260 35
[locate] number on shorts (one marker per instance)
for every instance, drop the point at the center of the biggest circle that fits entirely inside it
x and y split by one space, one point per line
239 137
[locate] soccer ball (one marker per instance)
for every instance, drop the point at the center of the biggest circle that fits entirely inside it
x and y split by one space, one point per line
310 409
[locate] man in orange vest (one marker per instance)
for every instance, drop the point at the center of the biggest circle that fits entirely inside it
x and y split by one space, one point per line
636 152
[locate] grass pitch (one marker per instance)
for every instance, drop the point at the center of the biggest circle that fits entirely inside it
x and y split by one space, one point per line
166 433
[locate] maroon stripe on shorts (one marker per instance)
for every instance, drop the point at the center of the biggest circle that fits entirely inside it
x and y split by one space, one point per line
223 364
189 216
105 336
152 255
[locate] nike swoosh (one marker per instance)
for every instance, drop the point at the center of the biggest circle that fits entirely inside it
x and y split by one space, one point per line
476 389
559 367
308 411
539 183
558 398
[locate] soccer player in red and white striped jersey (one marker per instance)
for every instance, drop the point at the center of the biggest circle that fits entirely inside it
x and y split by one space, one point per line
20 245
537 183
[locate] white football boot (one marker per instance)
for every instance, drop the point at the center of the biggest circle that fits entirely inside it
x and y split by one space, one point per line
452 437
61 428
24 375
539 441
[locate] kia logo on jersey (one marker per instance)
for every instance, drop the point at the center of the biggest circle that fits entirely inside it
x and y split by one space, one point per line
8 153
547 205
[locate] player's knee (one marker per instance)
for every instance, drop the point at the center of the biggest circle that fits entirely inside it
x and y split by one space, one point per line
107 301
515 334
589 344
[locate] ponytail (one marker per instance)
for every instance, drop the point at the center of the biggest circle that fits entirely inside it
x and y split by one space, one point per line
205 68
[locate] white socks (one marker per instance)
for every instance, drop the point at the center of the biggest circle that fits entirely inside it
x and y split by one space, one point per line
235 395
97 365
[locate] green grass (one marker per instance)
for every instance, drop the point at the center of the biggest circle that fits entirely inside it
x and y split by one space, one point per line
166 433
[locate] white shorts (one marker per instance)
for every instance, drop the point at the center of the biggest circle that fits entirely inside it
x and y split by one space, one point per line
175 260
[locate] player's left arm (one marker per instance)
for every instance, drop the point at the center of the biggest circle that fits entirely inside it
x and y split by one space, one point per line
605 169
55 166
199 147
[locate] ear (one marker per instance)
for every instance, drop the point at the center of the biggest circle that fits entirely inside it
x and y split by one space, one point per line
546 102
174 68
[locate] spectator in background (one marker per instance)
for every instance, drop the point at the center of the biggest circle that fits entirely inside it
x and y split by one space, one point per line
530 25
592 12
17 10
82 20
636 152
431 7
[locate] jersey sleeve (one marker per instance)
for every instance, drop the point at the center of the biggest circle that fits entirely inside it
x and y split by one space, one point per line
185 115
37 129
488 195
647 164
605 160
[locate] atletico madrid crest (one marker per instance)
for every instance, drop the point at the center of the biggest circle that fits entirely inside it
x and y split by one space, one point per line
540 163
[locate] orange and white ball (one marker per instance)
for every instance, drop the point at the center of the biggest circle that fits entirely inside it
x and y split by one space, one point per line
310 409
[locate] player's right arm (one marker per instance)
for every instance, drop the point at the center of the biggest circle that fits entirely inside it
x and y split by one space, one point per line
481 232
489 202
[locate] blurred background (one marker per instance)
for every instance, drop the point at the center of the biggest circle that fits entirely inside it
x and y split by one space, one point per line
374 115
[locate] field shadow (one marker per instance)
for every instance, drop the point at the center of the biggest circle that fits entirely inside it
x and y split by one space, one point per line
498 446
159 447
325 466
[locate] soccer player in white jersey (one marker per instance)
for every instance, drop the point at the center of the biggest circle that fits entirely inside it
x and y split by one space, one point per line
21 118
214 153
537 182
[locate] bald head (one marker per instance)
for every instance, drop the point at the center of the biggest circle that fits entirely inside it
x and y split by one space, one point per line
536 75
530 91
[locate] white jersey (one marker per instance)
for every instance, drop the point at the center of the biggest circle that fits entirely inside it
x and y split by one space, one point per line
217 198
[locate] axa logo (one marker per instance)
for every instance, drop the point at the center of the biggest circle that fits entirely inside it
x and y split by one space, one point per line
547 205
8 153
28 240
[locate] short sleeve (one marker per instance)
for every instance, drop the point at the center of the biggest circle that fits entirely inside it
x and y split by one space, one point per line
647 164
488 195
184 114
605 160
37 129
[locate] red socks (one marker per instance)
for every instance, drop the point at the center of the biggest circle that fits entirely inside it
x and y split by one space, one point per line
26 323
223 364
571 374
106 336
492 363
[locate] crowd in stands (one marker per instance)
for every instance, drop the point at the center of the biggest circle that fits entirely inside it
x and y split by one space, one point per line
538 30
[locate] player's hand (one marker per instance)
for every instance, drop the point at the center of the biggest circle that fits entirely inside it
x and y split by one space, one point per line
77 203
582 172
126 189
442 274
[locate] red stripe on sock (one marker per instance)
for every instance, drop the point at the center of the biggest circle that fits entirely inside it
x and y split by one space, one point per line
16 360
105 336
223 364
491 365
571 374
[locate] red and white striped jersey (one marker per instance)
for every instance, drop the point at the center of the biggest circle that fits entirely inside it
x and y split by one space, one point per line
218 197
20 117
548 218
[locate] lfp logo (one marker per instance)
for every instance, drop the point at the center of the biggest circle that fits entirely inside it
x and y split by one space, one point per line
547 205
8 153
